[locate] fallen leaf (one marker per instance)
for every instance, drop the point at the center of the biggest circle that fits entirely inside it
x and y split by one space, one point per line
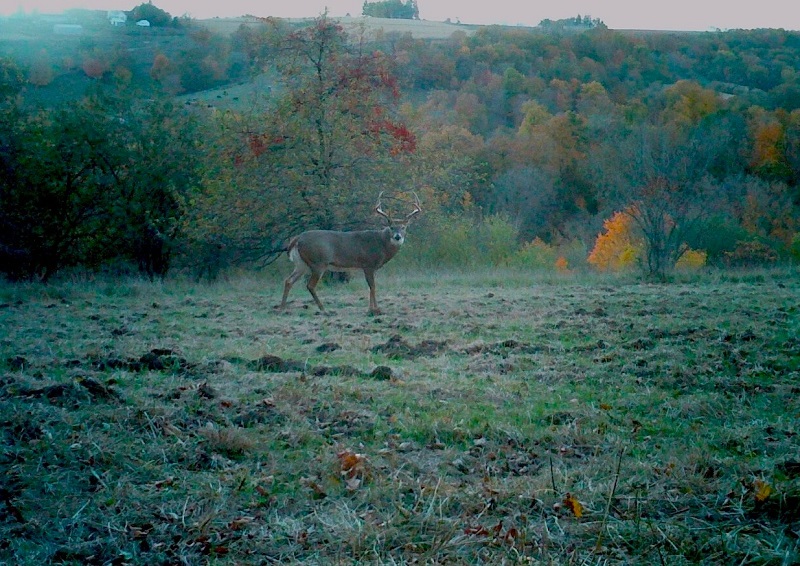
240 523
572 503
352 464
762 491
511 535
140 532
477 530
165 482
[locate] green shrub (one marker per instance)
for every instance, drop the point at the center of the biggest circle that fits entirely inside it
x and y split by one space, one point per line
498 239
444 240
719 237
536 255
794 248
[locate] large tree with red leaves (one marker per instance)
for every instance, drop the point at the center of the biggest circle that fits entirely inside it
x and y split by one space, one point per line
327 144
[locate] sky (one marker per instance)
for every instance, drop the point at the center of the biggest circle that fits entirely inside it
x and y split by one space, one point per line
694 15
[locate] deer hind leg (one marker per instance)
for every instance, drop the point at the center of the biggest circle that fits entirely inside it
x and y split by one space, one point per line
291 280
369 274
316 275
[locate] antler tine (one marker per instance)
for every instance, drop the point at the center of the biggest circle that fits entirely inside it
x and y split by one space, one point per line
417 205
380 211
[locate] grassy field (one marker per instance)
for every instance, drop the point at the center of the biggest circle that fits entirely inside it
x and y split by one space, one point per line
483 418
419 29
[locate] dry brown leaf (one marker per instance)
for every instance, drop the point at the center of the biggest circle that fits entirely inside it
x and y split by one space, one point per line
511 535
240 523
165 482
352 464
762 490
572 503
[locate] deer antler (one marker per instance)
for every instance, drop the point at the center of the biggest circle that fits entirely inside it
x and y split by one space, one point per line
417 206
380 211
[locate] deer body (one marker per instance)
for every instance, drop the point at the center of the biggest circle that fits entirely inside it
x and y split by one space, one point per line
316 251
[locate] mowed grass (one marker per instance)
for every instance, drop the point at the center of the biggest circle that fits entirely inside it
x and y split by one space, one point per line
487 417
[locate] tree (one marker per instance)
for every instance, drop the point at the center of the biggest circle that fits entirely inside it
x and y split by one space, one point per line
396 9
153 14
41 72
661 184
161 68
321 151
58 195
158 184
98 179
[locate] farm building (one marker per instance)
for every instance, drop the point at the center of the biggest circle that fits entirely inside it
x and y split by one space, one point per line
117 17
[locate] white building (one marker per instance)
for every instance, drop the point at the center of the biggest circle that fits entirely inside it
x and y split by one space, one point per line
117 18
143 23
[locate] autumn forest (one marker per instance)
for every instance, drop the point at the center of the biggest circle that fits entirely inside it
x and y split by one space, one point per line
564 147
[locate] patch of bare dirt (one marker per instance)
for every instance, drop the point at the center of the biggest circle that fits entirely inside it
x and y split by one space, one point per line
396 347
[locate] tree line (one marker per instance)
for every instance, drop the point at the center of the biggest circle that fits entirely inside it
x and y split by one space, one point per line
524 145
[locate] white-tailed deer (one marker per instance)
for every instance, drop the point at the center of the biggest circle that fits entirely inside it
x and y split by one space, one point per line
317 251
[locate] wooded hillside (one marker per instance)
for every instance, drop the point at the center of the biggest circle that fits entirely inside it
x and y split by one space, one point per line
545 148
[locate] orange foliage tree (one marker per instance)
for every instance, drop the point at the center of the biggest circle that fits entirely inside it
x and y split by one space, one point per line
162 67
94 67
616 248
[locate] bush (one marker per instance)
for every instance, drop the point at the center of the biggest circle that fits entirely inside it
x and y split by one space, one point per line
794 248
718 236
536 255
499 239
458 240
692 260
447 240
752 253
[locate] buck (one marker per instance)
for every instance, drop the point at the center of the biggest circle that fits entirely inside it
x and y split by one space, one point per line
316 251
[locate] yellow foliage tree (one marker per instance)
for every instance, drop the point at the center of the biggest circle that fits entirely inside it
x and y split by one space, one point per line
692 260
767 144
616 248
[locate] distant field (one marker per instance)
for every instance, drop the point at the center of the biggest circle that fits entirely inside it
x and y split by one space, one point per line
420 29
484 418
243 96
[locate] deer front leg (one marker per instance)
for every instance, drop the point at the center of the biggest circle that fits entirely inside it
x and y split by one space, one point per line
312 285
369 274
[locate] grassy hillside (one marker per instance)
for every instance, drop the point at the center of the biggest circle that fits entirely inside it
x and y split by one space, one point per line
32 41
420 29
484 418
